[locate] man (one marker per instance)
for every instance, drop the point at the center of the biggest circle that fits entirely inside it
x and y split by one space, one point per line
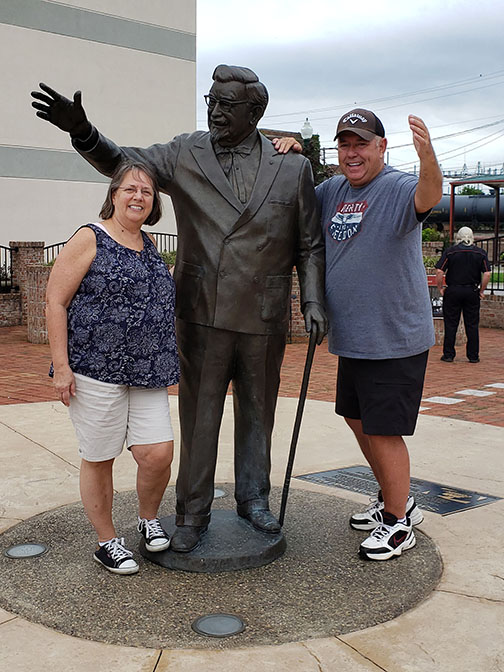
467 274
380 317
245 215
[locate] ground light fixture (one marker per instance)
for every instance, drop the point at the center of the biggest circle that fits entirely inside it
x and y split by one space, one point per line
27 550
218 625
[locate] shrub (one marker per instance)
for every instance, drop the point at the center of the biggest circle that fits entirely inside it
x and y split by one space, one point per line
169 257
431 235
430 262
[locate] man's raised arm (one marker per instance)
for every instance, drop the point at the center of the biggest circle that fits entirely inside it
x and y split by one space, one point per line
430 182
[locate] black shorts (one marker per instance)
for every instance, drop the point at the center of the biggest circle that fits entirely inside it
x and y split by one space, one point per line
385 394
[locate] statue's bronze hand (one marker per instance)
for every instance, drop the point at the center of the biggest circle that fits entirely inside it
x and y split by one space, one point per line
315 320
66 114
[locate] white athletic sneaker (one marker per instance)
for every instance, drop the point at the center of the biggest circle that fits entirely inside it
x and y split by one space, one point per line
371 517
386 541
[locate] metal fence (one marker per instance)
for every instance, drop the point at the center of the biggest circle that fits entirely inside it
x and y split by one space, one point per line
165 242
5 270
52 251
494 247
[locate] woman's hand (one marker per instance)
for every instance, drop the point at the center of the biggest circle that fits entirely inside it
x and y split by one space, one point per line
64 382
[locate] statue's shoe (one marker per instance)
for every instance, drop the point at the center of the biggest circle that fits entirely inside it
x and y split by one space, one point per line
186 538
263 520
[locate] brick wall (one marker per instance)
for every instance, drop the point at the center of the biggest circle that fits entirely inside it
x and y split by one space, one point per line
23 254
36 284
492 312
297 331
430 248
10 309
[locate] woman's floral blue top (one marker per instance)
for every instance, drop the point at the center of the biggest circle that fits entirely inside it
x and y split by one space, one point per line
121 325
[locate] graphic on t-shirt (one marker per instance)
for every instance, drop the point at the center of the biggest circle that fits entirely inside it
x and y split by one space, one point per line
347 221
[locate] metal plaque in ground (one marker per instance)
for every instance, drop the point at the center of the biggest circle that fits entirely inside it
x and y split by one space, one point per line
318 588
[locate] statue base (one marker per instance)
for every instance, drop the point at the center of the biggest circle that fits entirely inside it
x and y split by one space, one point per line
230 544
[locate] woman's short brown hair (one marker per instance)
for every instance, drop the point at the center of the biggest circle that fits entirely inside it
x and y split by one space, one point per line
124 167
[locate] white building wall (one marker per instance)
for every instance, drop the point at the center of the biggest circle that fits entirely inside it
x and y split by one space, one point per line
137 73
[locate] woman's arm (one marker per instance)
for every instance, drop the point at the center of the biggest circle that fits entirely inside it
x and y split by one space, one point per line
69 269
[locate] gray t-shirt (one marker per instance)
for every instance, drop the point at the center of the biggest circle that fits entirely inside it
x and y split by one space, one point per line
376 288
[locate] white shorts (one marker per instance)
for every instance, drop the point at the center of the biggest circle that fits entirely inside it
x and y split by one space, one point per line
106 415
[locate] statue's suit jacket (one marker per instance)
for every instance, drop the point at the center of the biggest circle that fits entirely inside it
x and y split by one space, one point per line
233 274
234 261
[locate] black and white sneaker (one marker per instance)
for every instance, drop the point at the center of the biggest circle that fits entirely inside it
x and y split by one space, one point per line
156 539
387 541
370 518
114 557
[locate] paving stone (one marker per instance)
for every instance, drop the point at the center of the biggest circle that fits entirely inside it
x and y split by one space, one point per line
474 393
444 400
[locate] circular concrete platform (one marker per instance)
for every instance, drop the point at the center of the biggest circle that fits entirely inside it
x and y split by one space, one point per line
230 544
318 588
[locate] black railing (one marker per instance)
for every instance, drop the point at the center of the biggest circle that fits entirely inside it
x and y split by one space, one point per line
494 247
165 242
6 284
52 251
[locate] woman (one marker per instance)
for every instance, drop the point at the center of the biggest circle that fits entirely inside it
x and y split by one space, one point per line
110 319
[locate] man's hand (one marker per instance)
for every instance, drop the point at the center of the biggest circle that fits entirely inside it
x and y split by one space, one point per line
67 115
421 137
283 145
440 280
315 320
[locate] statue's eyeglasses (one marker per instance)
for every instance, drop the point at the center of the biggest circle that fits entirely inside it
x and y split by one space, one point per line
225 104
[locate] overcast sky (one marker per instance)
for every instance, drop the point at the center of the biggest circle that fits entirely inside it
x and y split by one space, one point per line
439 59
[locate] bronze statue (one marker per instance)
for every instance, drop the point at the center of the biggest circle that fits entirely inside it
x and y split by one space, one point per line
245 216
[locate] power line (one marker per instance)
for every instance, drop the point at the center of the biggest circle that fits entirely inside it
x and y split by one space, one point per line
462 82
389 107
452 135
479 143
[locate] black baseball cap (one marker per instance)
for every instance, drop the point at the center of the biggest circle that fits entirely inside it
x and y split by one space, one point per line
362 122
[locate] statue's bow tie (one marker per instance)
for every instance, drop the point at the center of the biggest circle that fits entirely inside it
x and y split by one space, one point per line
241 150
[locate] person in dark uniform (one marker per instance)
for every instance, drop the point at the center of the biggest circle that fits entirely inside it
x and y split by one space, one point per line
467 274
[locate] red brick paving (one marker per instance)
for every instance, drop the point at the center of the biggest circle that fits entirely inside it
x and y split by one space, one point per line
24 366
442 379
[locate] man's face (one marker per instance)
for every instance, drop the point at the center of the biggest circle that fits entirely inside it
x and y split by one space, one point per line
360 160
230 124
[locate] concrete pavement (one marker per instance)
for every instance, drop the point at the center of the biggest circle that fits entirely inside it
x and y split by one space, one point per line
458 627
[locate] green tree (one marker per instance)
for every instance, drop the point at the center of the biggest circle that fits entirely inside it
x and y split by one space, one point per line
468 190
311 149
